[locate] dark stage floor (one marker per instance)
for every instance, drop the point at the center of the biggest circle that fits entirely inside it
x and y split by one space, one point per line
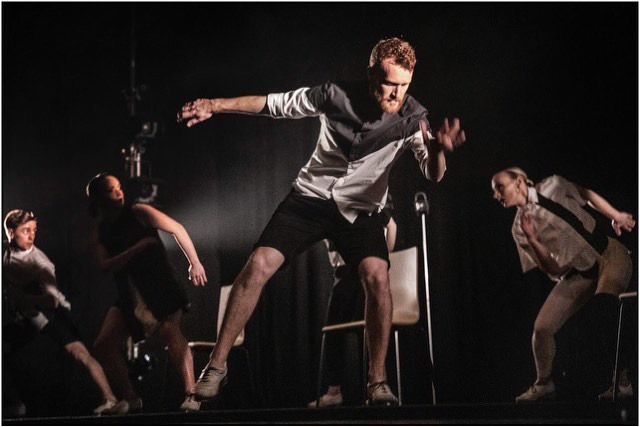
584 413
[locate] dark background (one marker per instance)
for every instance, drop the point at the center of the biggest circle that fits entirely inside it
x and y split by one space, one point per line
549 87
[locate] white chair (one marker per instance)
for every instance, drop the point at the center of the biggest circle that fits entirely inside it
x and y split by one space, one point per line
403 280
225 291
133 348
624 298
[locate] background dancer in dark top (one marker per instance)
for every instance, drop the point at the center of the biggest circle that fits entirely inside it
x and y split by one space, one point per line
125 241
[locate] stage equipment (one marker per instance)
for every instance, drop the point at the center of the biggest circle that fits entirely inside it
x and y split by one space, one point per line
422 210
141 187
140 362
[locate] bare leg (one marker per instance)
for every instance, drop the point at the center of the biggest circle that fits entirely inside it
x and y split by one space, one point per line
374 274
564 300
179 351
81 354
262 264
109 348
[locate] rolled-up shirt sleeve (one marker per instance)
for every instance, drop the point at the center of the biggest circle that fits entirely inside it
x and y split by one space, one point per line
417 145
296 104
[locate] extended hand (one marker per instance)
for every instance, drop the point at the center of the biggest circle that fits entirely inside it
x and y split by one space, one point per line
197 274
450 137
624 221
196 111
527 226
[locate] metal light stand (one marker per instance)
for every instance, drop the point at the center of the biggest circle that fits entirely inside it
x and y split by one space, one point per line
422 209
138 171
133 155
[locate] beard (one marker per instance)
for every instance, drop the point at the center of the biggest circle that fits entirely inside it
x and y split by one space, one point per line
388 105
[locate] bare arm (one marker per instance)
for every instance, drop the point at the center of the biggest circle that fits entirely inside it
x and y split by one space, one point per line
48 284
619 220
544 259
202 109
152 217
115 263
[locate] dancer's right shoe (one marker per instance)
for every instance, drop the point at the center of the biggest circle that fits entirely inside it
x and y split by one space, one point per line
380 394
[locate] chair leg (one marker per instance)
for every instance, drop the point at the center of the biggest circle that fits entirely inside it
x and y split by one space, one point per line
398 382
251 380
320 368
615 366
364 363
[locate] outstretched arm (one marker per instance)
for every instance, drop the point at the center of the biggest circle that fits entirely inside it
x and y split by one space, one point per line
152 217
202 109
544 259
619 220
447 139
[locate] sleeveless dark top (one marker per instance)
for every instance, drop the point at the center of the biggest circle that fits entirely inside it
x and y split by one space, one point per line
149 271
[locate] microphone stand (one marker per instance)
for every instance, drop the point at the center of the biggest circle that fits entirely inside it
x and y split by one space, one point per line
422 209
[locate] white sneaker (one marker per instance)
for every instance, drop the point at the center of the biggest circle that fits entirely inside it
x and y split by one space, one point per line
326 400
112 407
624 392
538 392
210 382
380 394
190 403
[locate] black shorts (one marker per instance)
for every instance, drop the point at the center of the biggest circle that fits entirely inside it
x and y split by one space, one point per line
61 328
300 221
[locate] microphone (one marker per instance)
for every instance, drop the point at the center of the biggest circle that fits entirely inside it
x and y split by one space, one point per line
421 203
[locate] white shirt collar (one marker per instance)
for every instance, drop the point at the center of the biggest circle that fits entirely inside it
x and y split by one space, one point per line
532 200
20 252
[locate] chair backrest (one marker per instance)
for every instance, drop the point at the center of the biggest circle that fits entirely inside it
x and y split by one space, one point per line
403 279
222 307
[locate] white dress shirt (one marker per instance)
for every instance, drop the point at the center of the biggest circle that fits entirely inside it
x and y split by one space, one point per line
32 268
356 147
566 242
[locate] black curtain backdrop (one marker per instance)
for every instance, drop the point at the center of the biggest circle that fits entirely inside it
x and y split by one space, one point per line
549 87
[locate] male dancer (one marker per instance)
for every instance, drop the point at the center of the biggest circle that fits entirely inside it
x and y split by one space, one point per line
338 194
